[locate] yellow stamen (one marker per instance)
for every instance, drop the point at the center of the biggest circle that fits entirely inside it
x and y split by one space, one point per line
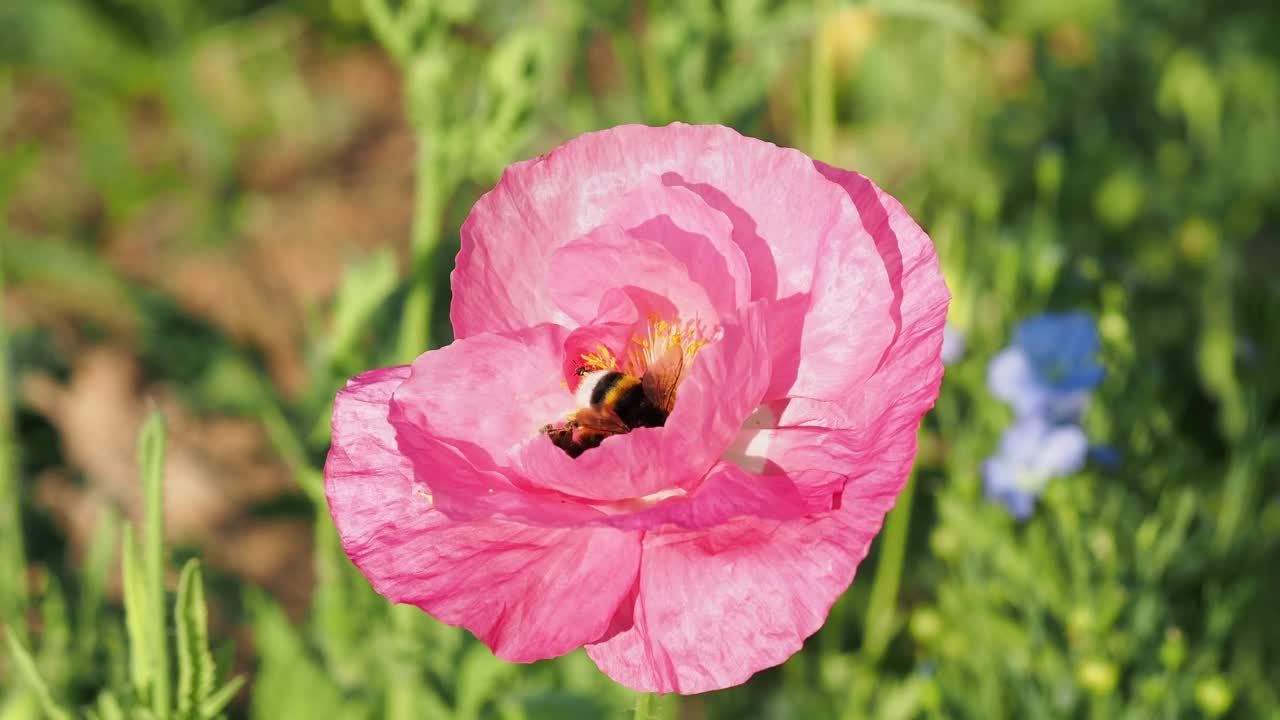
690 336
419 491
601 359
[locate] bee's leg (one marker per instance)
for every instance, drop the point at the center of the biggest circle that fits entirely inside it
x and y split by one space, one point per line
562 437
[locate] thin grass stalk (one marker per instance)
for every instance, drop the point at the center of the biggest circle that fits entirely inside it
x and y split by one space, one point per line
881 622
13 576
822 100
151 461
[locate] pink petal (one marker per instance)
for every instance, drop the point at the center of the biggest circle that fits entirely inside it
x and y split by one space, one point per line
518 588
588 339
465 484
778 206
786 322
464 407
492 391
507 583
728 492
716 606
623 314
869 436
364 444
813 235
608 257
694 233
878 295
873 461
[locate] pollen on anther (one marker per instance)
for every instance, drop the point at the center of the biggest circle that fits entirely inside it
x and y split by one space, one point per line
601 359
662 335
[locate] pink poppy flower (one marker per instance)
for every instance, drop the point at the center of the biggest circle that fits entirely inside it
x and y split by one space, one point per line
775 324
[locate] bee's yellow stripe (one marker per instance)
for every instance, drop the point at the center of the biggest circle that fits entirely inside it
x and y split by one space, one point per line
624 383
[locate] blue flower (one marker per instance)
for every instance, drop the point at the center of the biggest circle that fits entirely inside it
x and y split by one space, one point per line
1050 368
1108 456
1032 452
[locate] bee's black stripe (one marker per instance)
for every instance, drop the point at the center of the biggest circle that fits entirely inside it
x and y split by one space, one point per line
636 410
603 386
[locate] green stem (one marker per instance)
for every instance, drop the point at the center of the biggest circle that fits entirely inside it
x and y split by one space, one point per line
387 29
151 461
13 574
881 621
822 114
1238 492
651 706
287 445
415 319
653 71
415 323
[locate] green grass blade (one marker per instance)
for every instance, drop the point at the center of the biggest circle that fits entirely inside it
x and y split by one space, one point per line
27 669
136 612
109 707
96 567
881 620
366 285
13 571
479 677
214 703
186 654
151 461
386 27
293 452
196 671
289 682
822 113
55 657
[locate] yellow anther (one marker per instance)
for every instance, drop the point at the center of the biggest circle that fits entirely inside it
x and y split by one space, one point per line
601 359
661 336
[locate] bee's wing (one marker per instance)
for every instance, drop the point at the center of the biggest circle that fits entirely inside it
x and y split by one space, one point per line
662 377
603 421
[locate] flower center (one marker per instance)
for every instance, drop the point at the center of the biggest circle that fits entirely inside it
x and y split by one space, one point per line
661 339
630 389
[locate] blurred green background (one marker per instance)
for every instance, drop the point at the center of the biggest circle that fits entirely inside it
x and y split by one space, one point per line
219 210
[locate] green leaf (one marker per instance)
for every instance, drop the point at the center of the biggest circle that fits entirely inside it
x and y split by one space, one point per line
289 683
136 611
13 565
215 702
151 461
365 286
196 668
480 675
54 657
27 668
109 707
96 567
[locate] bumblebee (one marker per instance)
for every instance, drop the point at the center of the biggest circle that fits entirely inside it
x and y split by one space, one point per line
612 402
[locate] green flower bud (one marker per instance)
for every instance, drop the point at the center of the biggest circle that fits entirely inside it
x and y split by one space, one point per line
1214 696
1173 651
1098 676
